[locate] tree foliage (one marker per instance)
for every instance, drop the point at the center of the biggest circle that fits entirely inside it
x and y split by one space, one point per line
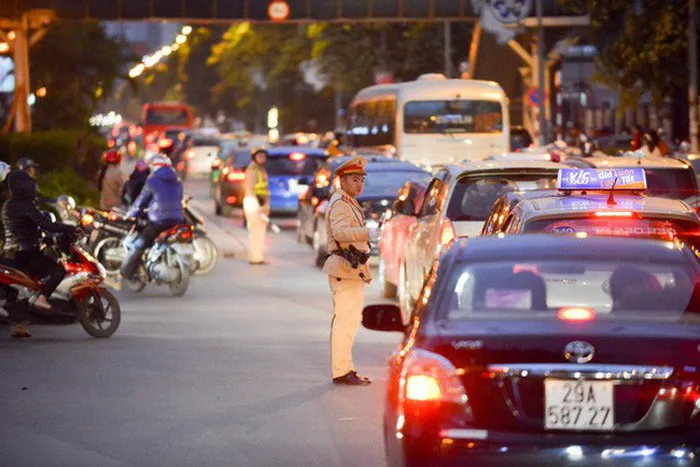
642 45
78 64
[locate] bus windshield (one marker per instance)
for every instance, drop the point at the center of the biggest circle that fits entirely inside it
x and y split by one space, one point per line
452 116
167 116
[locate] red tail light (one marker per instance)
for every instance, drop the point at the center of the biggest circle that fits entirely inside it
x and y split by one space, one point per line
297 156
575 314
612 214
235 176
189 154
185 235
430 377
231 199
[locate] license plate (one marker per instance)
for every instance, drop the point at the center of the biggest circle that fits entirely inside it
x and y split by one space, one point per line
296 188
183 249
579 405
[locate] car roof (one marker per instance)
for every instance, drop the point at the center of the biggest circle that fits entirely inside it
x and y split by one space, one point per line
285 150
574 205
479 166
650 162
378 163
542 246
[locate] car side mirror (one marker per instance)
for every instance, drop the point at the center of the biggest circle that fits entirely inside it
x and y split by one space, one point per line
305 180
383 317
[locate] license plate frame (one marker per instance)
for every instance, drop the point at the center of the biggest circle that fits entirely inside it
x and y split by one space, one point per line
579 405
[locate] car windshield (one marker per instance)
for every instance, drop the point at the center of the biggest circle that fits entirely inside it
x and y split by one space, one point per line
614 226
388 183
473 198
453 116
642 288
671 183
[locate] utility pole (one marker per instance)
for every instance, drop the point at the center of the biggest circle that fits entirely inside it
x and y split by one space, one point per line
23 119
448 49
693 74
540 74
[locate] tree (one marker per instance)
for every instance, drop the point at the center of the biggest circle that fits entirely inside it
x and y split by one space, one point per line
641 45
78 64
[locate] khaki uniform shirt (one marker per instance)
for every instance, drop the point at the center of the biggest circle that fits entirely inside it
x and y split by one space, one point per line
251 178
345 224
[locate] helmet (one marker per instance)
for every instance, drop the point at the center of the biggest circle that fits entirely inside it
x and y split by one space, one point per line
112 157
26 163
4 170
140 166
159 161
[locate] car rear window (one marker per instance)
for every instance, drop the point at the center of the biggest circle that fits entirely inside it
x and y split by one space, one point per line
473 197
509 289
287 165
388 183
614 226
671 183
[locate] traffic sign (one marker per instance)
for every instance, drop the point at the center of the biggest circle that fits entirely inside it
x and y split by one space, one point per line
534 97
510 11
278 10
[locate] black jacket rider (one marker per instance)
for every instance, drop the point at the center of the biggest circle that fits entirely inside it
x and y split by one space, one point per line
22 218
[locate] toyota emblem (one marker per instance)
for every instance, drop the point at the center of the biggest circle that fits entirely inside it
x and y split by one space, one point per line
579 352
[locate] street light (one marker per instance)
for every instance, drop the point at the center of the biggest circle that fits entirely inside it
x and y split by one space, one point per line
11 35
4 47
167 50
186 30
137 70
181 39
41 92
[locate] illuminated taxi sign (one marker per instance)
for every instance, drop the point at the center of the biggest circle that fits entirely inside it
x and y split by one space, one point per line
602 179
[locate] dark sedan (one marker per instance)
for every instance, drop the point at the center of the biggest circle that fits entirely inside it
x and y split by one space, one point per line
289 169
385 176
530 350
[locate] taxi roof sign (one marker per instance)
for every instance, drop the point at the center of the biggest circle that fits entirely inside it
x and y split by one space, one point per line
627 179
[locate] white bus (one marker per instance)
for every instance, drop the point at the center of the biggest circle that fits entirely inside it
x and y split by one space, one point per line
432 120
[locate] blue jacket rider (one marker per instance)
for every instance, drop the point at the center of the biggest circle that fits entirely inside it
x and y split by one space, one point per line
162 196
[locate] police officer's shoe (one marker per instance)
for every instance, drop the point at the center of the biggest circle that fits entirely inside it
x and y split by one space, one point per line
352 379
258 263
20 331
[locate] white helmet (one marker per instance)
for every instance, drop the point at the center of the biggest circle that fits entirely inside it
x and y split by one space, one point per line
4 170
159 161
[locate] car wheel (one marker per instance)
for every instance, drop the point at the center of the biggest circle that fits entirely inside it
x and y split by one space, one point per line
388 290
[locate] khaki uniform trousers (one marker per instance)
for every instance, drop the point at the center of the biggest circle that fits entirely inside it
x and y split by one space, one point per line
348 301
256 231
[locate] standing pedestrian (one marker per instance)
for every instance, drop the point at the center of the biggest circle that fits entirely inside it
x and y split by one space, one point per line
110 181
346 267
256 206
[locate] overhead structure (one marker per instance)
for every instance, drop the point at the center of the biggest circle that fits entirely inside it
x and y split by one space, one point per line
193 11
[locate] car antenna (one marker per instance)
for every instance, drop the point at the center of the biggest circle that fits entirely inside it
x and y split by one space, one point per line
611 198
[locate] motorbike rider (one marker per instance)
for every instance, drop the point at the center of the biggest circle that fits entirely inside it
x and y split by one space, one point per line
133 186
24 223
110 180
31 168
162 195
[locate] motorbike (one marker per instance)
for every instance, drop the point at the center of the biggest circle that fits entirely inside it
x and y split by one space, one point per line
79 298
206 254
168 261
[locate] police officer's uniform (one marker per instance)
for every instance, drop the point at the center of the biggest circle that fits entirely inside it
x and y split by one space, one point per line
345 226
256 207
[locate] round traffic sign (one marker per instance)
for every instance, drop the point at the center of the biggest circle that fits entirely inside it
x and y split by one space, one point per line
510 11
278 10
535 96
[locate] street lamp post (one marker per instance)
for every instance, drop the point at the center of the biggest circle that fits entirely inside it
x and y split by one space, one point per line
540 74
693 72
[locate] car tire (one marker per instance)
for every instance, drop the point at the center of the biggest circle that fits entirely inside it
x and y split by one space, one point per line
388 290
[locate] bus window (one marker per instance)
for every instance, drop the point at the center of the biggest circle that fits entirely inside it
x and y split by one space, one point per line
455 116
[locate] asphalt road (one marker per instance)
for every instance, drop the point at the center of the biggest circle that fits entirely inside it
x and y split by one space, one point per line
234 373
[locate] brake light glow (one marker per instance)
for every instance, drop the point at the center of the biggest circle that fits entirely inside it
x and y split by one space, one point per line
165 143
422 388
231 199
612 214
189 154
297 156
186 235
575 314
87 220
235 176
112 216
427 376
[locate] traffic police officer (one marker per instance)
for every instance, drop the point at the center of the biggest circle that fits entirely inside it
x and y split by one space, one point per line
347 269
256 205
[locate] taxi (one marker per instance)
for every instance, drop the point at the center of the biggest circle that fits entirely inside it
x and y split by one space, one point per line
667 177
510 359
587 203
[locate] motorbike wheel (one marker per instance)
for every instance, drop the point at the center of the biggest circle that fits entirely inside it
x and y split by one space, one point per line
100 315
205 253
179 287
138 283
109 243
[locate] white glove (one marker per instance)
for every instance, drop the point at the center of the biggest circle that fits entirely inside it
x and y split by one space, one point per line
250 203
373 234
